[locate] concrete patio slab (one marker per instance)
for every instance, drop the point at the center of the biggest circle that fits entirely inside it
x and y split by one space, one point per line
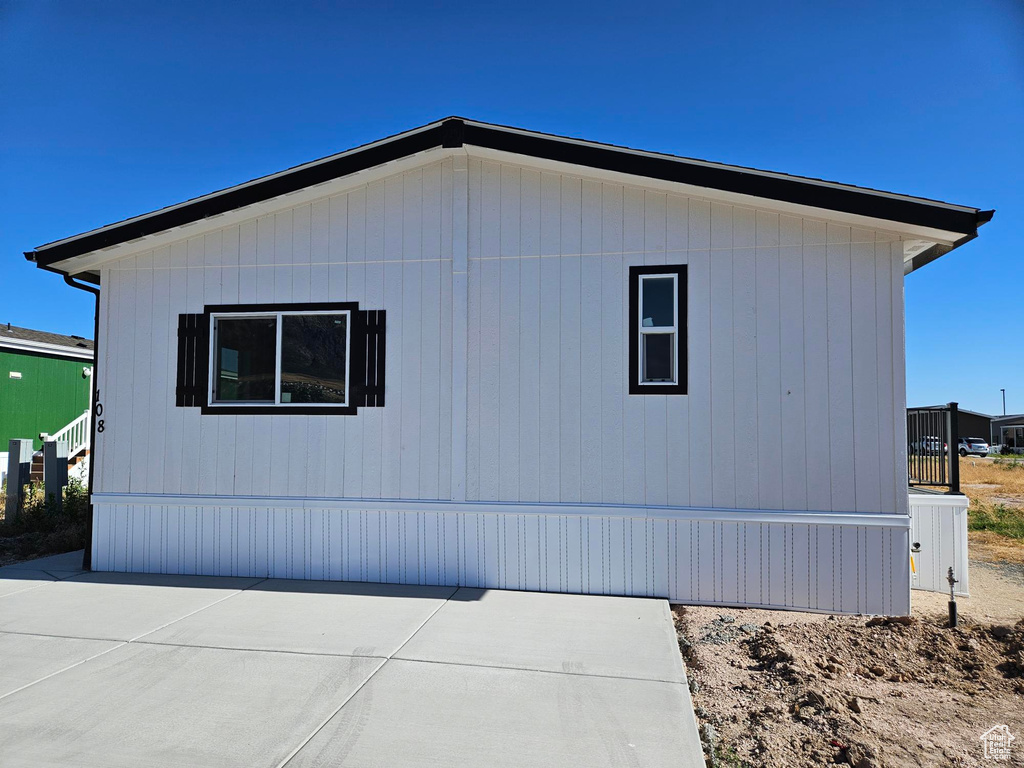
170 706
25 659
339 618
69 561
112 606
425 714
582 634
114 669
20 580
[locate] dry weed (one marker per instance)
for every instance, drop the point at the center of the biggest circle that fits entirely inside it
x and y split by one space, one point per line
988 482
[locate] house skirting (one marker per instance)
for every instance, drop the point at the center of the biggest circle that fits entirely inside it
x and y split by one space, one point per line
830 562
938 534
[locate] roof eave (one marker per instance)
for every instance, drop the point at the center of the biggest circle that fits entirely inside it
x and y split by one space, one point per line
938 250
961 223
45 349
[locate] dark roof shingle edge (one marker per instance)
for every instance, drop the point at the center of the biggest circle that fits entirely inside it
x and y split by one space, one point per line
14 332
456 132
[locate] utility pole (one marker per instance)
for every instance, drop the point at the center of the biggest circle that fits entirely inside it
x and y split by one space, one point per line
1004 401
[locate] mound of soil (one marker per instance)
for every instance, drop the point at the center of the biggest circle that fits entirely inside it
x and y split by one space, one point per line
781 689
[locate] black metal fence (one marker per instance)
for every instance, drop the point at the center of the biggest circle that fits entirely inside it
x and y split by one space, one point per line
932 459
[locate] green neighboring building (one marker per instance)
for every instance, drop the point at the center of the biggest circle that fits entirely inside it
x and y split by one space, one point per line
45 379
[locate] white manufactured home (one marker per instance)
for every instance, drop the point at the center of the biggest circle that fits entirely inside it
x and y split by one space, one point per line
477 355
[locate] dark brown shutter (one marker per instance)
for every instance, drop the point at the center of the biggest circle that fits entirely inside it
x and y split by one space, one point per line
193 360
368 353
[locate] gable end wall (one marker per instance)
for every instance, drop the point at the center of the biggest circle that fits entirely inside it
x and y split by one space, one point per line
796 395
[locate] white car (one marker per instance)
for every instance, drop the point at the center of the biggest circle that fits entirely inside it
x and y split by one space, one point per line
973 445
929 445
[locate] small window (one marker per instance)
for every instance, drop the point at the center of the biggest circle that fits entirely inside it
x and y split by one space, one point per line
280 359
657 343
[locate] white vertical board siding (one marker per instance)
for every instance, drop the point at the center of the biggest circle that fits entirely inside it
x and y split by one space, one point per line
507 295
718 561
795 342
939 525
633 415
381 246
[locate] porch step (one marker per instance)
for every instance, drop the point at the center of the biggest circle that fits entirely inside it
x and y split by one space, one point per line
36 470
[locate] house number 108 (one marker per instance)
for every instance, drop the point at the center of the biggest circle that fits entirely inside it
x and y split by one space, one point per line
98 410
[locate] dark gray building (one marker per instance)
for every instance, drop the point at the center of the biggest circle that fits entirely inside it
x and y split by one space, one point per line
974 424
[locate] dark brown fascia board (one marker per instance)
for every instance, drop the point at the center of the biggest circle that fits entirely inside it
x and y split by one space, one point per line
456 132
730 179
239 197
88 277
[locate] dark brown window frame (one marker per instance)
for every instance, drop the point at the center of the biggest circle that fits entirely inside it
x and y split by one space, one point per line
636 386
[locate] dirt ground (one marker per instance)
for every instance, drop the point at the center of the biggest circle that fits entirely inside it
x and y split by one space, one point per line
775 688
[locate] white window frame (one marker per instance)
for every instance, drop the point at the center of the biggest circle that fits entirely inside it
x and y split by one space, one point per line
660 329
278 316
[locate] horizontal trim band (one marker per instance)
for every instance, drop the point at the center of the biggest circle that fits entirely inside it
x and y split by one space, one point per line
874 520
939 500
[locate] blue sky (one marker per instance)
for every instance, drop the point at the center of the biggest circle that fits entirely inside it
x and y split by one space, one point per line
113 108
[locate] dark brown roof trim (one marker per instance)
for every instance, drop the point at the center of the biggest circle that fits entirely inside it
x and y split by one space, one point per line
789 190
239 198
454 132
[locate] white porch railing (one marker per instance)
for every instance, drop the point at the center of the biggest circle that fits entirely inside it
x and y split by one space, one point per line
77 434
